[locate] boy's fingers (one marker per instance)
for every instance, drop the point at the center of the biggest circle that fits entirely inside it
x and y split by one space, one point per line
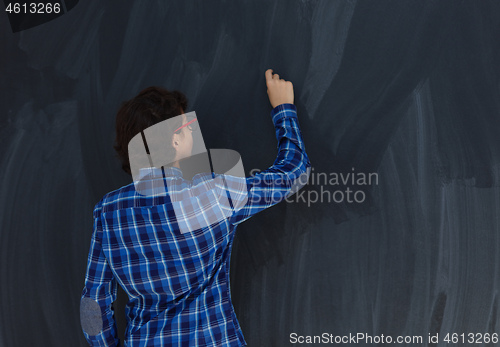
269 74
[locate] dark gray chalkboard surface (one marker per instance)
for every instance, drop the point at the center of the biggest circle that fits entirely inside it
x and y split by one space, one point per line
405 93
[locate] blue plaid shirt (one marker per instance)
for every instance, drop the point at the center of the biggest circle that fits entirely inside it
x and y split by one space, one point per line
177 283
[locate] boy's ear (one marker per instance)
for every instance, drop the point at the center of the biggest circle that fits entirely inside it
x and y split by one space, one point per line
175 141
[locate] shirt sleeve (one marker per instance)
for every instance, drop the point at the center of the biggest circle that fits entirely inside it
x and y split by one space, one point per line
96 310
289 172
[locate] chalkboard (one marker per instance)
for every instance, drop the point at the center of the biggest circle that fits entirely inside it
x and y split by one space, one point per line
395 235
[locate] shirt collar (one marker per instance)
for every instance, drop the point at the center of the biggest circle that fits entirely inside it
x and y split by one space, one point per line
172 171
155 172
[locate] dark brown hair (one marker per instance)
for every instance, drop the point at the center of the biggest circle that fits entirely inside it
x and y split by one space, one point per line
152 105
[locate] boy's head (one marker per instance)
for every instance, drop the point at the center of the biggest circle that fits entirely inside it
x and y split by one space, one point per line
151 106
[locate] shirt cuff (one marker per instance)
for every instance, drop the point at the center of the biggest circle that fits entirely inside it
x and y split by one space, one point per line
282 111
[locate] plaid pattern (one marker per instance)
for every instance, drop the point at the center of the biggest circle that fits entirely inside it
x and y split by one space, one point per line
178 283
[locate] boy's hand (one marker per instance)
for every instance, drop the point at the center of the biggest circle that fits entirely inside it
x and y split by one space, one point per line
278 90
